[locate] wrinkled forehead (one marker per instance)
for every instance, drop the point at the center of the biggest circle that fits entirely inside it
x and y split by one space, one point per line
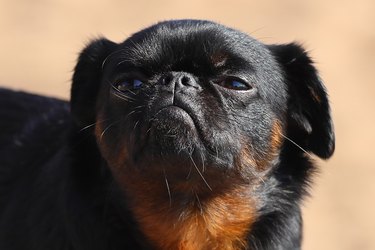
188 45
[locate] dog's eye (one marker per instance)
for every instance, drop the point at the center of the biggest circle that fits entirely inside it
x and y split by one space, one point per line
234 84
130 84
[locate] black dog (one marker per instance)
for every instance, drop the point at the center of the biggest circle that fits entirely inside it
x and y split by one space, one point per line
188 135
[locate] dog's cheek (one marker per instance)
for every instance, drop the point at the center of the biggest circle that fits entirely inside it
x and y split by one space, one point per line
112 150
254 159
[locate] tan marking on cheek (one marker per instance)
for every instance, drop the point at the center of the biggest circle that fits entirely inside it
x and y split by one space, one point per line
276 138
115 155
274 145
247 158
219 59
262 162
99 128
100 120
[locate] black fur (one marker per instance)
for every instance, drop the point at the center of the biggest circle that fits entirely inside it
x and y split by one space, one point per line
58 189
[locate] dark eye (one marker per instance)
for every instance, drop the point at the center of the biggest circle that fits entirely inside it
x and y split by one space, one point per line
130 84
234 84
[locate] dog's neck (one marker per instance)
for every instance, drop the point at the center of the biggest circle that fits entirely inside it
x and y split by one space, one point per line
220 221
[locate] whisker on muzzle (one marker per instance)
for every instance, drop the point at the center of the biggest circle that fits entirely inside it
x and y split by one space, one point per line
168 189
199 172
92 124
296 144
107 128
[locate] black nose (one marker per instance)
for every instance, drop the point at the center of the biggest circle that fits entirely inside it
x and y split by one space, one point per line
180 80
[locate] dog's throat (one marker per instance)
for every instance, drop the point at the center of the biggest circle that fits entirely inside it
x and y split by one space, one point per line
221 222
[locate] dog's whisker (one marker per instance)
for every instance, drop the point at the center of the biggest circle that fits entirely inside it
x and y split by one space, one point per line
256 30
189 173
106 129
131 92
168 188
123 97
139 107
148 131
93 124
111 54
295 144
202 158
131 113
199 202
121 62
88 126
199 172
135 125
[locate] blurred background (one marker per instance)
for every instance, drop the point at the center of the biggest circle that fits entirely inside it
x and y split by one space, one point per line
40 40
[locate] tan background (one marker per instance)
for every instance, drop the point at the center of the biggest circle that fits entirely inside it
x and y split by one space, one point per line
40 39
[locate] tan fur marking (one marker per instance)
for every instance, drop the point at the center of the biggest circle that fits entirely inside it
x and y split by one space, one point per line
261 162
219 59
276 137
218 223
114 156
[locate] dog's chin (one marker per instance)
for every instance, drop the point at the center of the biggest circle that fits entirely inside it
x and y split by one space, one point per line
172 132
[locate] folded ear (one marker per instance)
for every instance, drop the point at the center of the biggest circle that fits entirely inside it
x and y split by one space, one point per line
309 114
86 80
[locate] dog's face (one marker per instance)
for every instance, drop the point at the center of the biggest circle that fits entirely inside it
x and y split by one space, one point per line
200 103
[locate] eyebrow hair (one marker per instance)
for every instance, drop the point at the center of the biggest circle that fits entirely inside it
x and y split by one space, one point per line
219 59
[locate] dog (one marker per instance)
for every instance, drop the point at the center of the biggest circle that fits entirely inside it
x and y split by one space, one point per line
187 135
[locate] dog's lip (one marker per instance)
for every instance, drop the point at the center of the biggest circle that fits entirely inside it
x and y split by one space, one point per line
187 111
177 108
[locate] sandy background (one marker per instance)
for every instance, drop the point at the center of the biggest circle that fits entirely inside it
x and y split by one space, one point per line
40 39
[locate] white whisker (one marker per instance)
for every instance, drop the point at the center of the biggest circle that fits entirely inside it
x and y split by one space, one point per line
295 144
168 189
93 124
106 129
199 202
199 172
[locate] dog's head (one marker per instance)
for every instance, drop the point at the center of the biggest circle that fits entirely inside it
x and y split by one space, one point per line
200 103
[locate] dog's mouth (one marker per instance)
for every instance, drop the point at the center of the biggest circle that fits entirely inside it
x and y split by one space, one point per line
174 113
173 129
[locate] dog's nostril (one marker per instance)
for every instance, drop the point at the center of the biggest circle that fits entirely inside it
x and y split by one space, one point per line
167 79
185 80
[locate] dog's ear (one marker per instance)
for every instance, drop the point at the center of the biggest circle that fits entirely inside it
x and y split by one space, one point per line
86 80
310 122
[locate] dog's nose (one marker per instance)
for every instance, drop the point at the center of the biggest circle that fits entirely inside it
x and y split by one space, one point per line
179 80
